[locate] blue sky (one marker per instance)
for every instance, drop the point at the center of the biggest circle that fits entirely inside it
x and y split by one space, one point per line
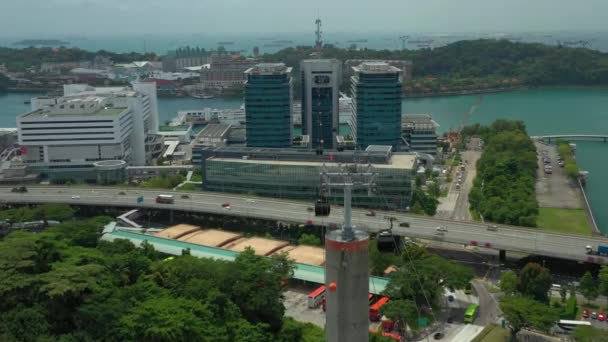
37 17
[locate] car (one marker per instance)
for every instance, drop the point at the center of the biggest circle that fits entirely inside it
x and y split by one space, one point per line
20 189
585 313
122 193
224 205
310 209
75 197
309 222
404 224
438 336
185 196
593 315
441 229
493 227
468 289
250 201
370 213
601 316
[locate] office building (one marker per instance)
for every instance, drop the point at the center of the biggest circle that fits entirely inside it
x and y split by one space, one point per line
320 97
63 137
225 71
419 133
405 66
268 105
294 174
376 93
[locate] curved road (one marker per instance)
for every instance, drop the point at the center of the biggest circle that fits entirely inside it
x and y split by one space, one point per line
506 237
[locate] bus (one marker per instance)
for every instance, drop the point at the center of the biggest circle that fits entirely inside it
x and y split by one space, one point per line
168 199
569 325
316 297
374 310
471 313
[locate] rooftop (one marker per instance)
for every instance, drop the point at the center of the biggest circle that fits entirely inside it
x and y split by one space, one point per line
397 161
46 113
268 69
214 131
376 68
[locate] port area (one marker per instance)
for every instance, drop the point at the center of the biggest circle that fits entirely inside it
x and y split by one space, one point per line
560 201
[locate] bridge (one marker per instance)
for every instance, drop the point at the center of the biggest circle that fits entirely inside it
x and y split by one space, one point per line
505 238
548 138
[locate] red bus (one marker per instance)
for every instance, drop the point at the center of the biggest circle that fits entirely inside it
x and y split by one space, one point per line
316 297
374 310
370 298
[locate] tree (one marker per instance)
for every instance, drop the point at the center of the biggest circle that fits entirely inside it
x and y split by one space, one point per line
309 239
535 281
379 262
588 287
508 282
168 319
403 312
603 281
563 293
522 312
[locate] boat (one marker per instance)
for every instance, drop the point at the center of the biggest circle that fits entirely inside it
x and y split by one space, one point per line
225 43
357 41
27 102
202 96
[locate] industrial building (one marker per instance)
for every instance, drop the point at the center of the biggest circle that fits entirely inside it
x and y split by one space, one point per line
63 137
268 105
320 101
376 93
419 133
291 173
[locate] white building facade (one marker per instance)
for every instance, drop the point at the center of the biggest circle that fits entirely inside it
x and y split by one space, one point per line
67 135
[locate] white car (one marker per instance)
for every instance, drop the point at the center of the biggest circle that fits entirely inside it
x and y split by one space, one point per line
441 229
75 197
250 201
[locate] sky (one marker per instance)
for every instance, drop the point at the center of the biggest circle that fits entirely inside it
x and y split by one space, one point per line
109 17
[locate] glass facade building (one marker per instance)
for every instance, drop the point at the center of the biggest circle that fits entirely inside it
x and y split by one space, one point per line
420 133
320 101
301 180
268 105
376 92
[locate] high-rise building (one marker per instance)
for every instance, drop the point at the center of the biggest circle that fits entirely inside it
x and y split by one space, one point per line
268 105
376 92
320 97
419 133
65 136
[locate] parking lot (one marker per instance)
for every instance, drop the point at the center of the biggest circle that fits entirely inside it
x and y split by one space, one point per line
554 190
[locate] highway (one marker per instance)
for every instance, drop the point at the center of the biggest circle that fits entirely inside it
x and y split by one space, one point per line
509 238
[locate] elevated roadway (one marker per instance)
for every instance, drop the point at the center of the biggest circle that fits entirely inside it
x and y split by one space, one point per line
507 238
601 137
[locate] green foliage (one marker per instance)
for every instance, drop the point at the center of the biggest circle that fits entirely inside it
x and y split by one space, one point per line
589 334
524 312
603 281
571 308
402 311
503 190
588 286
5 82
535 282
421 276
566 153
60 286
426 202
508 282
309 239
164 182
379 262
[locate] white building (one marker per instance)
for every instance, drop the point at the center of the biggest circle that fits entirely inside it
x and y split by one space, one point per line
70 133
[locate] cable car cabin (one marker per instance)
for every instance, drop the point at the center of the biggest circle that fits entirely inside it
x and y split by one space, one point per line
387 242
322 207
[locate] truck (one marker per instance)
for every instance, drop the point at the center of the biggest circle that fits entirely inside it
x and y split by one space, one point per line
601 250
168 199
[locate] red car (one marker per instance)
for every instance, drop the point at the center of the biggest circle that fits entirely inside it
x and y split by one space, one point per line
601 316
226 205
585 313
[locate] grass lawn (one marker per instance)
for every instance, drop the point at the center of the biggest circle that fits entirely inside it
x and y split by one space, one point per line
188 187
492 333
573 221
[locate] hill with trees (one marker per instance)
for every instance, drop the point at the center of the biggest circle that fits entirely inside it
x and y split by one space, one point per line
473 65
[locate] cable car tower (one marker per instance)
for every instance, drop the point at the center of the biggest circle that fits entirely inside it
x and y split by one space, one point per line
347 259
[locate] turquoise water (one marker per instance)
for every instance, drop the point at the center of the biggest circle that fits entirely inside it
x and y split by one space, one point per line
549 111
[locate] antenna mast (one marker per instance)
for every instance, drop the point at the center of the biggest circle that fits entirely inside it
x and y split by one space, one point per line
319 34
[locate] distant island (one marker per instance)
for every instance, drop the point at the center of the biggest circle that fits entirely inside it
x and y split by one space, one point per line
41 42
